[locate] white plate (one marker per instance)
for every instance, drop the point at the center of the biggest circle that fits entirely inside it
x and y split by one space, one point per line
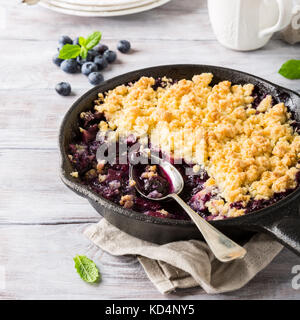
69 4
102 13
100 2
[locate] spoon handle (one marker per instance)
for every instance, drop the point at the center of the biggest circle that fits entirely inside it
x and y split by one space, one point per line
223 248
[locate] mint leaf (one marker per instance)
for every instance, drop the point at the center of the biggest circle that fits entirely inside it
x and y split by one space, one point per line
290 69
83 52
69 51
93 39
87 269
82 41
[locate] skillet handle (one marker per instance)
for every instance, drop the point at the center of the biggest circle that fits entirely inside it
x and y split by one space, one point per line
287 232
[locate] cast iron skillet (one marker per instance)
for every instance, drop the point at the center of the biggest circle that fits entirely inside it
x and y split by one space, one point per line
281 220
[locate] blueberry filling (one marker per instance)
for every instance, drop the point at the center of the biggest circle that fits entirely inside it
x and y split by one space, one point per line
258 94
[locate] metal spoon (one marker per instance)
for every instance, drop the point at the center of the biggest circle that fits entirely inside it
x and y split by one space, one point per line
223 248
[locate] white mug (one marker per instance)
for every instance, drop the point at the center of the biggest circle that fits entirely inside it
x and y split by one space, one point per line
248 24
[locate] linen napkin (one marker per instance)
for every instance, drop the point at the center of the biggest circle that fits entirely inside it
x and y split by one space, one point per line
186 264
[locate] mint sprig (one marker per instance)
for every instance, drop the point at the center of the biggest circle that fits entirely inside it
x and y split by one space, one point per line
92 40
87 269
69 51
72 51
290 69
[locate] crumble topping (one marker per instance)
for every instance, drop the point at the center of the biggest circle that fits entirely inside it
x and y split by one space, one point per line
149 173
74 174
132 183
127 201
164 212
249 153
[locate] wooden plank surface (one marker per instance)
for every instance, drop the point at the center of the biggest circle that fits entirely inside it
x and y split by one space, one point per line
36 194
38 264
41 221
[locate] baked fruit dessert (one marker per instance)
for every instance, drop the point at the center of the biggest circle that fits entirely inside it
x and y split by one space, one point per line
236 146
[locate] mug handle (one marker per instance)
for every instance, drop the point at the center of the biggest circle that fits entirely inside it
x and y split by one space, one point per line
295 19
285 16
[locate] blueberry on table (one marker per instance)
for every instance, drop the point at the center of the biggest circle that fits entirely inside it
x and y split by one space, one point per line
123 46
100 48
88 67
69 66
81 61
63 88
64 40
100 62
60 46
95 78
93 53
76 41
56 60
110 56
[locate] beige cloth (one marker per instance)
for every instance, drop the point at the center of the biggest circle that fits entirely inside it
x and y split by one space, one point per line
186 264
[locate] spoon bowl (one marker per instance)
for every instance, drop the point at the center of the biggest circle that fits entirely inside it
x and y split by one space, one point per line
175 178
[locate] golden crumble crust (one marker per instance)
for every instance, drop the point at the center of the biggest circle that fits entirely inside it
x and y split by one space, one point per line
247 152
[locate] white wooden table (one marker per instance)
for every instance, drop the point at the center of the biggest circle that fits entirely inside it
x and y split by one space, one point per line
41 221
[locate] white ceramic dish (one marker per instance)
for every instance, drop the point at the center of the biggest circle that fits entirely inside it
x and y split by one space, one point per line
100 2
69 4
97 12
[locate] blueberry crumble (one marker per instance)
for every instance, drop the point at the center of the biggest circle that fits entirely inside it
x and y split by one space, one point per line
237 148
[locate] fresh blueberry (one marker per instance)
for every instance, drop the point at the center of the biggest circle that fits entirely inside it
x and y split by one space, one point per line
76 41
63 88
56 60
95 78
110 56
100 62
101 48
81 61
123 46
60 46
93 53
69 66
64 40
88 67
